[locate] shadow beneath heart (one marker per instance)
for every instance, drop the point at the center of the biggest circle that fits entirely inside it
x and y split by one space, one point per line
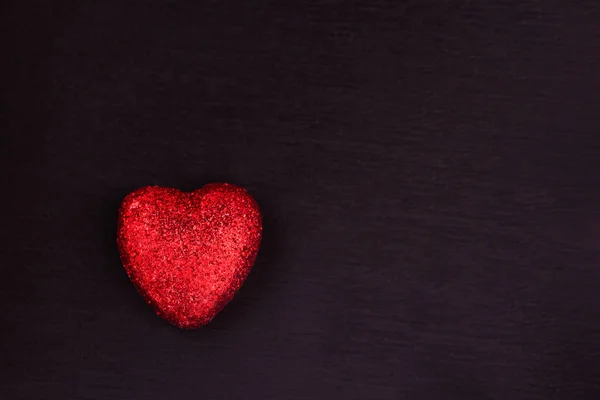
246 303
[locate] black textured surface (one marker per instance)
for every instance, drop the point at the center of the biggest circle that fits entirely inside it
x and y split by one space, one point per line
427 173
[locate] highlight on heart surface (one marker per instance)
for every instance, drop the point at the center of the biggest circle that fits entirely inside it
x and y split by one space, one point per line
188 253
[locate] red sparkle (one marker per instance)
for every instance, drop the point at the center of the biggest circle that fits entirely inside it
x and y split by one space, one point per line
189 253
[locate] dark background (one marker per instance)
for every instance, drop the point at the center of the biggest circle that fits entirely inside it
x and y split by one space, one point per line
428 174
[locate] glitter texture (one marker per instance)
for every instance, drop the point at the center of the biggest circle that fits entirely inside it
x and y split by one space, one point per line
189 253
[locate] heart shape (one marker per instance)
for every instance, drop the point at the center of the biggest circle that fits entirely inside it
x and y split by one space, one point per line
189 253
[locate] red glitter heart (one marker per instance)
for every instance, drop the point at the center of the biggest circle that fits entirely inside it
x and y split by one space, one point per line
189 253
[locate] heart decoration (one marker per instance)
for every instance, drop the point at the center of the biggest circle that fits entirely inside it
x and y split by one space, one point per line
189 253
